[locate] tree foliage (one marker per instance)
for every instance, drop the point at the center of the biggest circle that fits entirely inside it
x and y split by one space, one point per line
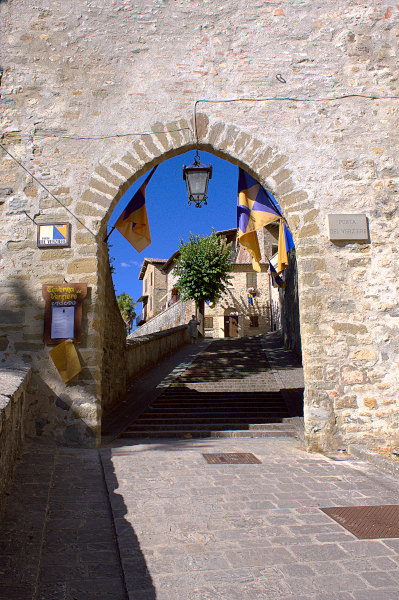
203 268
111 259
126 306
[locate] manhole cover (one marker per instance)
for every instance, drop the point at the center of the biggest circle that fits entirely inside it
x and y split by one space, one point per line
367 522
232 458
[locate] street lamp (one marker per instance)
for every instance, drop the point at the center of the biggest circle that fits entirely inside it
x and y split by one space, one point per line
197 177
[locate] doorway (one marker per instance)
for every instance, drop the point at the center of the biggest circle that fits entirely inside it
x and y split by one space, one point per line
231 326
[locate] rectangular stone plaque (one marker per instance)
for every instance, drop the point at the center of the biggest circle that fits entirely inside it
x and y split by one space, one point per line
352 228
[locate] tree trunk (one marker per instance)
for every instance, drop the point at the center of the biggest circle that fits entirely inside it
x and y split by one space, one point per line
200 317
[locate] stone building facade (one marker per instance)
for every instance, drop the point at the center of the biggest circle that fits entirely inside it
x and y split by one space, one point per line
154 288
302 95
236 314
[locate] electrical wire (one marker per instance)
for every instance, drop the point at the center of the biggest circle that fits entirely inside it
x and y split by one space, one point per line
286 99
45 188
195 132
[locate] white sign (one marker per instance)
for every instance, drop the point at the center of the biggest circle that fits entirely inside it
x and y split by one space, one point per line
62 322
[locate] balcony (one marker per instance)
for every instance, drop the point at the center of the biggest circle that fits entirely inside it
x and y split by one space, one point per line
141 319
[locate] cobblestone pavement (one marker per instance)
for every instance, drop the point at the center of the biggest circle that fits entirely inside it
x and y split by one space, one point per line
57 537
154 521
220 532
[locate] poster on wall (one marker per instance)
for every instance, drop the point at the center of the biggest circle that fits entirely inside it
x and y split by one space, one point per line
63 311
62 322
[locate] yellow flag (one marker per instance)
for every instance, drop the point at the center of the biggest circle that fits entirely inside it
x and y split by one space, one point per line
282 258
66 360
254 211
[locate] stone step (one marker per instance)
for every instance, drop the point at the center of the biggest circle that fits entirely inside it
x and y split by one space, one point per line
186 391
234 399
172 433
206 426
145 420
220 406
247 415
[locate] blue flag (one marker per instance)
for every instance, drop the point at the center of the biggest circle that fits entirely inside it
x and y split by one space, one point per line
276 277
133 222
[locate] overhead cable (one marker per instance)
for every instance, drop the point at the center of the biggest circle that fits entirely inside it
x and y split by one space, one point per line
45 188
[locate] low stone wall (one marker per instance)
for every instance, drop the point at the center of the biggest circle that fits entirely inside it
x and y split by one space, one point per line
177 314
13 386
146 351
113 372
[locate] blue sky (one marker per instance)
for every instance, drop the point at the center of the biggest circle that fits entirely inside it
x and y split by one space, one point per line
171 218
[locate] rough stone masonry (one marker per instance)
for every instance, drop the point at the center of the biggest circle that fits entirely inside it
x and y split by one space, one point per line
95 93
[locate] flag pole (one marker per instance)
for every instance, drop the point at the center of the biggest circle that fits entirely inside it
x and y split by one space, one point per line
107 236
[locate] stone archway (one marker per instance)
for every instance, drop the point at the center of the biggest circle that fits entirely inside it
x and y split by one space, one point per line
116 174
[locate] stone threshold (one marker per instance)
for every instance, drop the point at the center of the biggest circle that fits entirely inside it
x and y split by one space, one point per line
377 460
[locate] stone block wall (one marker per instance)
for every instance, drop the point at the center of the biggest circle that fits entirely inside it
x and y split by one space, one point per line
13 389
146 351
95 94
174 316
114 362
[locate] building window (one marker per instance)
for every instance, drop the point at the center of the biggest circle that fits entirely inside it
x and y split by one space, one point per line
151 304
208 322
274 249
251 280
254 321
151 280
145 285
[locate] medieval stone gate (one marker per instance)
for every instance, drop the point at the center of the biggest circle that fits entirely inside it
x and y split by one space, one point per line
80 90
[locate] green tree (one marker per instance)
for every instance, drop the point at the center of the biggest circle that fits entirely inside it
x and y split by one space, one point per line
203 269
111 259
126 306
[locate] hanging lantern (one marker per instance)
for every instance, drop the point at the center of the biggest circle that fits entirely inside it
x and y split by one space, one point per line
197 177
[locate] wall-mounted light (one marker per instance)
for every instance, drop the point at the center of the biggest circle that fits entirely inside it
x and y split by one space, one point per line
197 177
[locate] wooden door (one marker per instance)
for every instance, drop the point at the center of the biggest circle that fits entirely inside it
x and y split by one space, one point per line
231 326
234 326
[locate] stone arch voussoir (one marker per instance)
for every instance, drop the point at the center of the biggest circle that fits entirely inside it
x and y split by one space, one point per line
275 170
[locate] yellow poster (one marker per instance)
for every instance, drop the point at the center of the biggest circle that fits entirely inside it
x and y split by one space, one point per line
66 360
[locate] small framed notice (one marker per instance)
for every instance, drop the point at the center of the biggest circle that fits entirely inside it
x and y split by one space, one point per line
62 322
63 311
54 235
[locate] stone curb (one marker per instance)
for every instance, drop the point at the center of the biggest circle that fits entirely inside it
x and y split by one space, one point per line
377 460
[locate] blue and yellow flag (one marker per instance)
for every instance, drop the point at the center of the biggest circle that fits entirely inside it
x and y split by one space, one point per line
133 222
285 244
276 277
255 209
252 301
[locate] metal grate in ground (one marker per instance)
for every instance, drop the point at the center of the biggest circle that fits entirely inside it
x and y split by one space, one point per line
367 522
232 458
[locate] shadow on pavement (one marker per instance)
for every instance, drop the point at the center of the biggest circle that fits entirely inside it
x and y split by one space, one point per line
57 535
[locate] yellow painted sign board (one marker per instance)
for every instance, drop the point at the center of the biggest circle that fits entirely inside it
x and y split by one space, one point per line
66 360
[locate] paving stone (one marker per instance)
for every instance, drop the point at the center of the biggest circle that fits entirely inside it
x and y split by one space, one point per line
373 594
192 531
312 552
379 579
340 582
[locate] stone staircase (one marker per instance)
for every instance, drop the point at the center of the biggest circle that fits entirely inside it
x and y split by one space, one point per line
229 390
